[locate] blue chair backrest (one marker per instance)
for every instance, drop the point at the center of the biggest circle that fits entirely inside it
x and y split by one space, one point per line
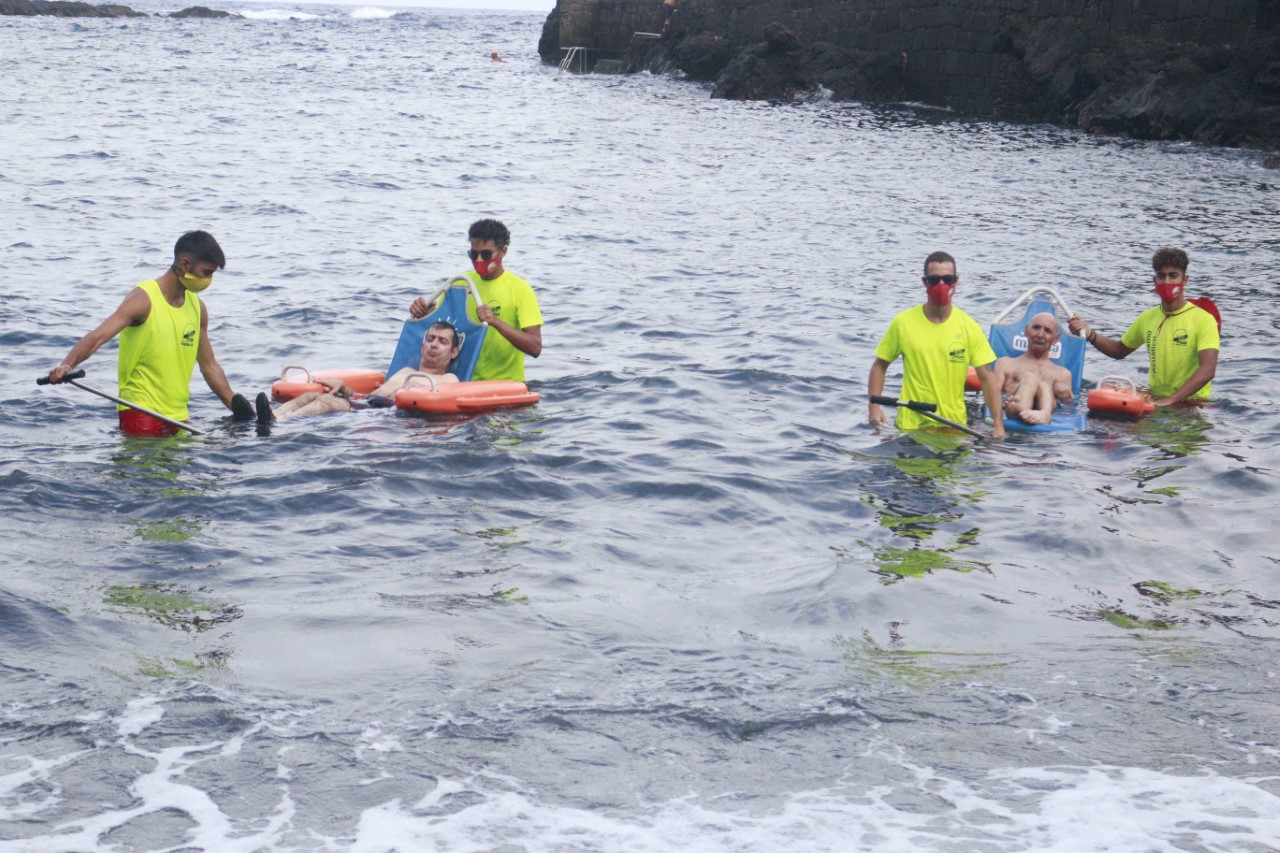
1009 339
452 309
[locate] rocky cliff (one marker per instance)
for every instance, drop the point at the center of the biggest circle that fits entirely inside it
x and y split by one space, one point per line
1207 70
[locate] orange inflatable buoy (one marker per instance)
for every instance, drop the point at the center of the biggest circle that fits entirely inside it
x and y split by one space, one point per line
458 397
971 381
1117 395
360 381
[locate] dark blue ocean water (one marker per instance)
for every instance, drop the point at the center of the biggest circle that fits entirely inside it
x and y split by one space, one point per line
690 600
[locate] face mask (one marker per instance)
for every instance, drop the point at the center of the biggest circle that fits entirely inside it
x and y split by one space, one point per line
193 283
940 294
485 268
1169 291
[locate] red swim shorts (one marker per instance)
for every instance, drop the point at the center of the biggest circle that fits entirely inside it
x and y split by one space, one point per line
141 425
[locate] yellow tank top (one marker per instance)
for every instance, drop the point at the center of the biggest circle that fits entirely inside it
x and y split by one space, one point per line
156 358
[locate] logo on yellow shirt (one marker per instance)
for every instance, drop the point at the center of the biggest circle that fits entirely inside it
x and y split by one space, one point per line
189 335
1180 338
958 355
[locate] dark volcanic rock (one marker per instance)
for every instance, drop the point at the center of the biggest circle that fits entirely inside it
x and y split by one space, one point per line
1157 69
703 57
858 75
66 9
1152 89
203 12
70 9
549 41
774 69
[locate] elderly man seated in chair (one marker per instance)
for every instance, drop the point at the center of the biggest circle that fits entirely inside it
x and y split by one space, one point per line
439 347
1035 384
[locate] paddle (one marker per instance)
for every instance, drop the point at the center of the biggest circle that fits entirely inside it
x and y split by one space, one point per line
70 379
926 409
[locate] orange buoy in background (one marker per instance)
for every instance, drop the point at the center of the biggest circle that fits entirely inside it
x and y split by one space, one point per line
360 381
1117 395
971 381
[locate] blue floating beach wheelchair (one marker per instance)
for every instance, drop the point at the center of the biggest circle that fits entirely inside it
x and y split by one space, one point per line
1007 339
451 307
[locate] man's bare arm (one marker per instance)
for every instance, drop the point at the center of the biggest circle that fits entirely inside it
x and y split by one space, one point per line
135 309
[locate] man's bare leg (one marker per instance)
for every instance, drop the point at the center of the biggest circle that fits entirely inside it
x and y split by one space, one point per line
311 403
286 409
1041 409
1024 396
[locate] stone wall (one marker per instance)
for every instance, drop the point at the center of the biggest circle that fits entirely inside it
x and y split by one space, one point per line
1096 63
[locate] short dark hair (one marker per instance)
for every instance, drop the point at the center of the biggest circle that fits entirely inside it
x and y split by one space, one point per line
201 248
444 324
489 229
939 258
1167 257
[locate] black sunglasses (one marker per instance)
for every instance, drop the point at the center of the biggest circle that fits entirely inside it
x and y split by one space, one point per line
931 280
483 254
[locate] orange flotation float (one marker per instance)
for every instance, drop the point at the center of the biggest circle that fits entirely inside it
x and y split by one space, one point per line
453 398
971 381
1117 395
360 381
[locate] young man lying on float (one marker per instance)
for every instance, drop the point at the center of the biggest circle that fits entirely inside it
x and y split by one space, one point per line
439 347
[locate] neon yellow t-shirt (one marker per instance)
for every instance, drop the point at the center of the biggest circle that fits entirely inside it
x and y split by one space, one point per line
156 358
513 301
1174 342
935 361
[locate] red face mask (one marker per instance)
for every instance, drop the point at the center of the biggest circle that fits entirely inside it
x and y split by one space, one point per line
1169 291
485 268
940 294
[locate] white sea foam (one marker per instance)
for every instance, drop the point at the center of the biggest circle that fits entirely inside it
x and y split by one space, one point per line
1051 808
278 15
139 715
34 776
372 13
1056 809
159 789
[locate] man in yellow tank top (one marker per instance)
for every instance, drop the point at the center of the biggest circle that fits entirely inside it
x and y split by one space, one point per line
510 306
1182 338
163 329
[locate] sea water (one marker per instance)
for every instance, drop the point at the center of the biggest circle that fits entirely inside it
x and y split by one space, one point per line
691 600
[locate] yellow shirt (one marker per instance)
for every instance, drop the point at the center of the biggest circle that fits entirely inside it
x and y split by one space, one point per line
1174 342
156 358
935 361
513 301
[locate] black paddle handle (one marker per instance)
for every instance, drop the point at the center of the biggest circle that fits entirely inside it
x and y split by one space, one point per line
44 380
910 404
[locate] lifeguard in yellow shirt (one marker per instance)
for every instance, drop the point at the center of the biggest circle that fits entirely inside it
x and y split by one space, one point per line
164 332
1182 338
510 305
938 343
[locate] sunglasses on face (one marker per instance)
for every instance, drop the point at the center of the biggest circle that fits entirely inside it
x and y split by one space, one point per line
483 254
932 280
